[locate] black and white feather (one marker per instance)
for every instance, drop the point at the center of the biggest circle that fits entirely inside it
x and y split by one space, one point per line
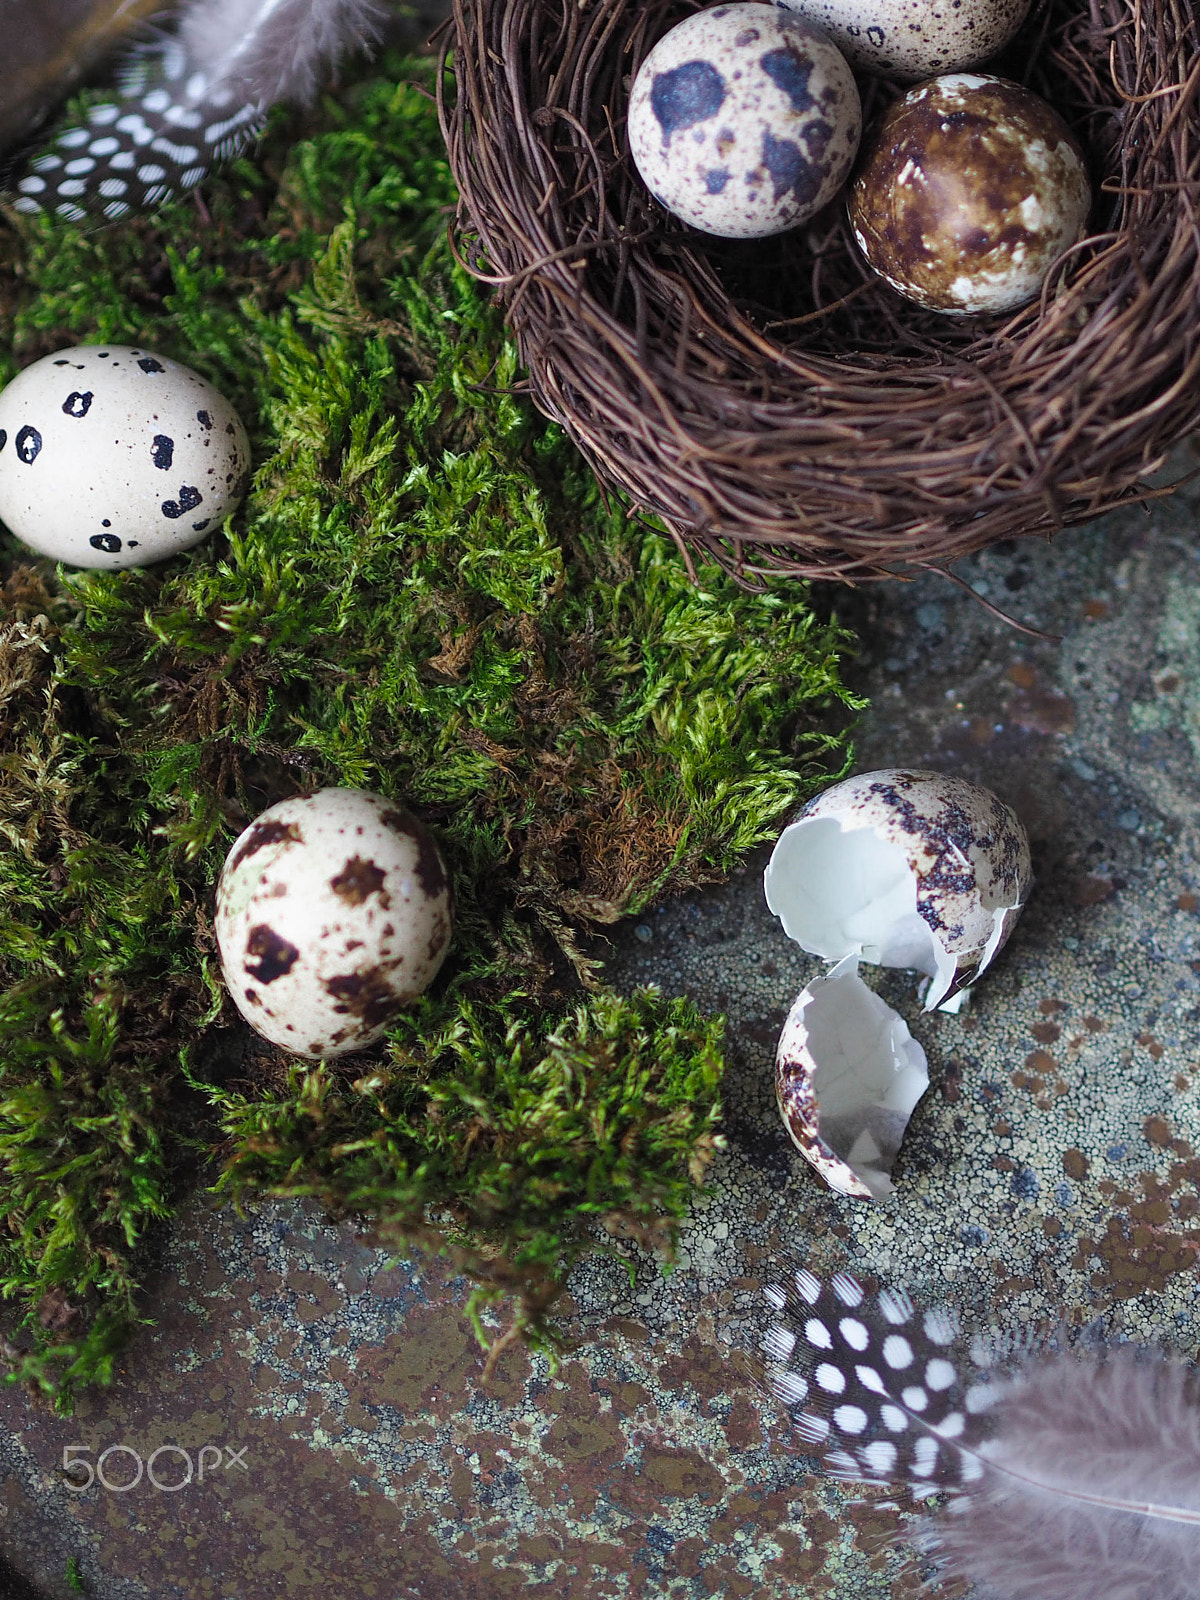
1066 1475
192 99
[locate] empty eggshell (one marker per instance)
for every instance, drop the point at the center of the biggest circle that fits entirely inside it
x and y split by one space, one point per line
111 456
847 1076
906 868
333 912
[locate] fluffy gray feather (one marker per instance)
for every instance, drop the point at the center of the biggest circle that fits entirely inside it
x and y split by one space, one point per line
1123 1428
265 51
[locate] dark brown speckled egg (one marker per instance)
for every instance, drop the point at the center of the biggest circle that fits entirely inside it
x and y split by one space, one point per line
971 189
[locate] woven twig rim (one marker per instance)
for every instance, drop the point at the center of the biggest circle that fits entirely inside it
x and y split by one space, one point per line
862 438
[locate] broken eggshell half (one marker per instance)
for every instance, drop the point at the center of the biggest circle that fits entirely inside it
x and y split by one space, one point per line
903 869
847 1076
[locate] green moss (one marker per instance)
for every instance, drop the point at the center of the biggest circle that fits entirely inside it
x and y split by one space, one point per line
424 595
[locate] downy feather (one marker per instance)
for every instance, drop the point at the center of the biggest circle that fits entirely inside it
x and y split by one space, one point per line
191 99
1069 1476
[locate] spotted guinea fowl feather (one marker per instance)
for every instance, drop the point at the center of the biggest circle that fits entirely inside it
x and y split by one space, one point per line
1067 1476
190 100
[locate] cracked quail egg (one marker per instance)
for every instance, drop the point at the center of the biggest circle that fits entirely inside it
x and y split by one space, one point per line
744 120
971 189
112 456
333 913
910 39
904 868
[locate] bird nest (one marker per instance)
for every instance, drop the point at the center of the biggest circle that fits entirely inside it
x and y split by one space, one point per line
772 401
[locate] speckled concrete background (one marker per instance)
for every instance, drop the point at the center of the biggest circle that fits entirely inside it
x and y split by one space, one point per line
1051 1171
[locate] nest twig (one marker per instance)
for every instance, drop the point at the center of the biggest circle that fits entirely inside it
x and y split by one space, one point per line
777 406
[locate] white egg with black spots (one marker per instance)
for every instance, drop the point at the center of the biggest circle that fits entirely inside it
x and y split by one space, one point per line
334 912
113 456
744 120
911 39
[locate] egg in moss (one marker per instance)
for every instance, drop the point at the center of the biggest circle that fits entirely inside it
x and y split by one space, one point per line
333 913
112 456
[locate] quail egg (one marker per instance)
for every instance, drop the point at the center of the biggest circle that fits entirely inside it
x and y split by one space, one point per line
848 1074
968 193
333 913
904 868
910 39
744 120
111 456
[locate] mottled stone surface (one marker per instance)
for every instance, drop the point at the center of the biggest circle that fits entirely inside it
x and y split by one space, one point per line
1051 1171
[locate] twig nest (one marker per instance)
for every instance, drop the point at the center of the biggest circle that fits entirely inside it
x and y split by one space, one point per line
903 868
847 1076
333 912
112 456
783 413
744 120
970 191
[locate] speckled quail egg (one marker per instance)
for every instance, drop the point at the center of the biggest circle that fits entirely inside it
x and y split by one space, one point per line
744 120
333 913
911 39
111 456
906 868
968 193
847 1076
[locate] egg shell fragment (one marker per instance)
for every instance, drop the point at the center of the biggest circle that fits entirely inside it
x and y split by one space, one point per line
112 456
848 1074
906 868
968 193
744 120
333 913
911 39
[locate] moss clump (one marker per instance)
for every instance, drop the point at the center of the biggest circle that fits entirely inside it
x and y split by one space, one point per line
424 595
518 1136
